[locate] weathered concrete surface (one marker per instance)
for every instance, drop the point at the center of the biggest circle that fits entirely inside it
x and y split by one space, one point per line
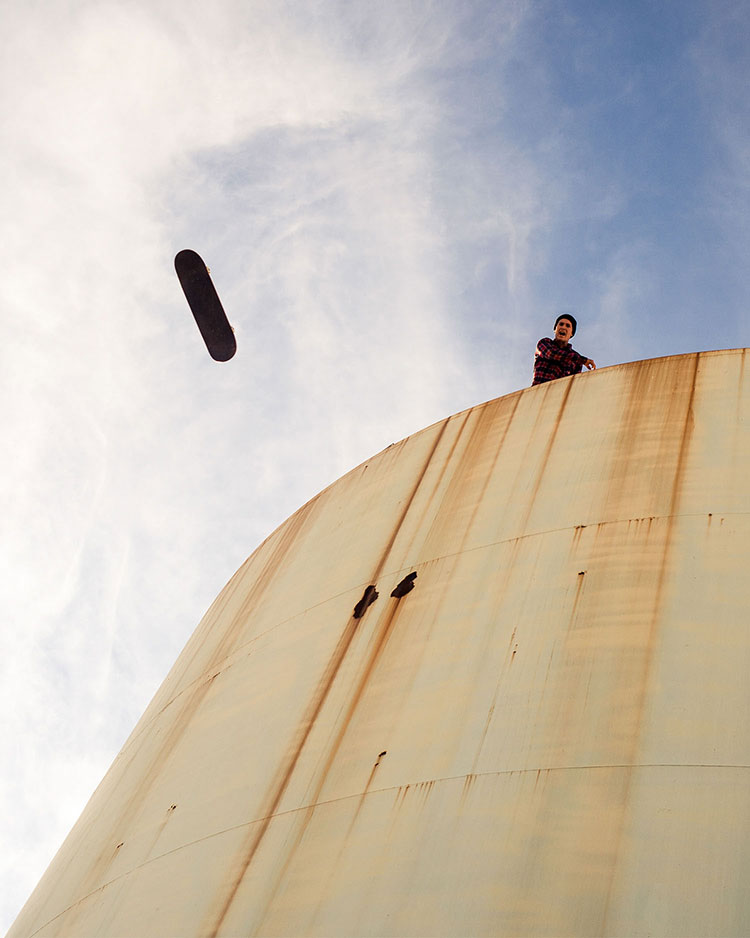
550 735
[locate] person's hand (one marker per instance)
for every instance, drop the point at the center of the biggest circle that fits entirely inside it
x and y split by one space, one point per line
590 364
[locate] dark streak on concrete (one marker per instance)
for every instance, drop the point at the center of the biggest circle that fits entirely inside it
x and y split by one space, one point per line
383 632
542 464
189 704
345 838
577 598
132 807
283 776
481 432
468 458
641 691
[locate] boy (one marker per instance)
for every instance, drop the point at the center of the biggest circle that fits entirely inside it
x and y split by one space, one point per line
556 358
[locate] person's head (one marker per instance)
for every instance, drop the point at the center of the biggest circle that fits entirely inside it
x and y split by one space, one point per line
565 327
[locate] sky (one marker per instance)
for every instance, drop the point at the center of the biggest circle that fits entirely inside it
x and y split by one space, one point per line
396 198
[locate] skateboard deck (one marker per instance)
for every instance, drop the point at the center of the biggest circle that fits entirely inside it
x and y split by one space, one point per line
205 305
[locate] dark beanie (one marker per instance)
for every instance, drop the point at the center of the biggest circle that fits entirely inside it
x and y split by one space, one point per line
570 318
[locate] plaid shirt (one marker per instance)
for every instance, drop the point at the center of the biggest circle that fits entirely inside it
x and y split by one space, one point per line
555 361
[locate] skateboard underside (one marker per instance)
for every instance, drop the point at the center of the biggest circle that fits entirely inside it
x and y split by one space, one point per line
205 305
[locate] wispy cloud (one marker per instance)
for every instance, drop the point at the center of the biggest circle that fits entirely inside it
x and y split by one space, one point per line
393 199
298 147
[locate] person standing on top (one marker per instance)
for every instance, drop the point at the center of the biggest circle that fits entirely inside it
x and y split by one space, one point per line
556 358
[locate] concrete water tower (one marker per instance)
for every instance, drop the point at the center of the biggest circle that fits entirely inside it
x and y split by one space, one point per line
549 734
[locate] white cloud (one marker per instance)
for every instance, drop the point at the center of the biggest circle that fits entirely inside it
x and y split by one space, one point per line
393 198
374 229
294 146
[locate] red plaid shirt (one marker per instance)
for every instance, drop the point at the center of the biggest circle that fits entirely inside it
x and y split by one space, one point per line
555 361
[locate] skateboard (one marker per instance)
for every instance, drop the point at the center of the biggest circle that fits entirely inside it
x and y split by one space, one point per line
205 305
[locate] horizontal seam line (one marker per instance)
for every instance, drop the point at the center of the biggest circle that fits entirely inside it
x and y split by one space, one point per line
415 785
221 665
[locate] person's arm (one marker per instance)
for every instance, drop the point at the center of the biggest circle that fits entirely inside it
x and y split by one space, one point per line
583 362
547 348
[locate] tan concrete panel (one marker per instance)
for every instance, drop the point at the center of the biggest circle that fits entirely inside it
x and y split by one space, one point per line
549 735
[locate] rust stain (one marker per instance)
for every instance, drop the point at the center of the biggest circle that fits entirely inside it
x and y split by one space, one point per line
512 648
640 692
542 464
425 790
381 638
159 830
469 458
512 644
345 838
577 535
467 787
541 777
576 599
487 724
401 793
461 501
132 807
360 802
410 500
446 464
281 782
287 536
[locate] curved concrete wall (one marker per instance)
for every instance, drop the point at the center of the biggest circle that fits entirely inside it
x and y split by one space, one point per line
549 735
